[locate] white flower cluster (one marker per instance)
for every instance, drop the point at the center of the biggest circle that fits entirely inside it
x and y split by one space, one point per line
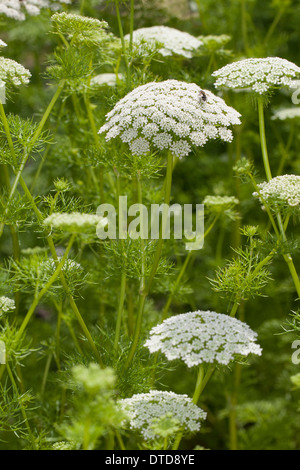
74 222
17 9
6 305
2 44
286 113
259 74
143 408
220 204
173 40
13 73
169 115
203 337
280 191
108 79
69 266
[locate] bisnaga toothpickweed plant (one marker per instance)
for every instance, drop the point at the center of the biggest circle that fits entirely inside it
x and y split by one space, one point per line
94 327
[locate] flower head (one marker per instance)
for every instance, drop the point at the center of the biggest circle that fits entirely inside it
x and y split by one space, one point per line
13 73
79 28
259 74
106 79
281 191
169 115
6 305
17 10
74 222
2 44
286 113
144 408
219 204
172 40
203 337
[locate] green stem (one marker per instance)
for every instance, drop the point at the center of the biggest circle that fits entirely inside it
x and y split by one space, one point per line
202 380
46 373
274 24
168 185
44 290
234 309
244 25
62 278
131 25
142 291
96 140
183 270
32 142
120 309
23 411
263 140
119 20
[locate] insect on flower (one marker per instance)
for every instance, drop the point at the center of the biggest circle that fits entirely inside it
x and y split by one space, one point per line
202 96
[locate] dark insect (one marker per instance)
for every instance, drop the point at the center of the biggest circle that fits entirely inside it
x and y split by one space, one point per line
202 96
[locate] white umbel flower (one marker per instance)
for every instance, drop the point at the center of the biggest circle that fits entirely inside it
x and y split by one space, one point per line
106 79
169 115
17 10
203 337
259 74
74 222
286 113
173 40
144 408
281 191
12 72
6 305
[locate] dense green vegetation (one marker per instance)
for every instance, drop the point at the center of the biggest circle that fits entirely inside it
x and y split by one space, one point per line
75 310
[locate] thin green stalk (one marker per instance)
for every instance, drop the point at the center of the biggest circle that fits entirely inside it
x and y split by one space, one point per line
142 291
146 286
62 278
131 25
15 239
244 26
44 290
234 309
274 24
183 270
233 437
121 32
168 185
120 309
35 137
120 440
201 382
96 139
23 411
46 373
263 138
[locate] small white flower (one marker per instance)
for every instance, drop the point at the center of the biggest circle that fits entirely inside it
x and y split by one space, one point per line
173 40
144 408
74 222
6 305
2 44
203 337
12 72
220 203
258 74
169 115
17 10
108 79
287 113
281 191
